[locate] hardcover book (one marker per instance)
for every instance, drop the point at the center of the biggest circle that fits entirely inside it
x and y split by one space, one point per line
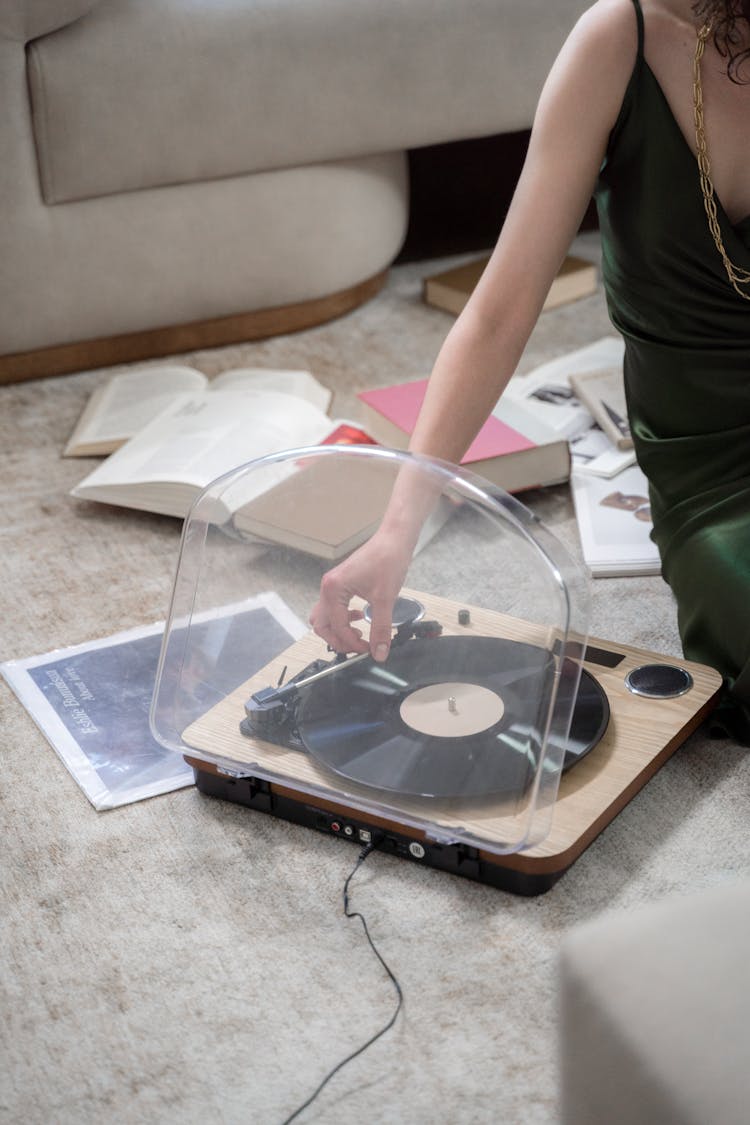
298 511
514 448
451 289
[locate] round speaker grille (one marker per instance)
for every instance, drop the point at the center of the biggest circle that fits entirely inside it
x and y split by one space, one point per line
659 681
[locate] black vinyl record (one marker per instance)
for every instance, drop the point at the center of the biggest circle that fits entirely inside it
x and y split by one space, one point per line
446 717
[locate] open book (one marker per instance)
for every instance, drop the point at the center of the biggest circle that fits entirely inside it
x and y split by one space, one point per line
550 391
128 401
194 441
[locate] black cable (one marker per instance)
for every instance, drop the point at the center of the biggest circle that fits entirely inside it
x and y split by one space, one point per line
356 914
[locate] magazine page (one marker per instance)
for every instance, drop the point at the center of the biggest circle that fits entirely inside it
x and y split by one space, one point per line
593 452
614 523
547 391
91 701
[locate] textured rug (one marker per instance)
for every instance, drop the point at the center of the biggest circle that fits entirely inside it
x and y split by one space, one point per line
183 960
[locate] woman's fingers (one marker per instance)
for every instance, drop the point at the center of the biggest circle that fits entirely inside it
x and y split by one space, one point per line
381 629
332 620
373 573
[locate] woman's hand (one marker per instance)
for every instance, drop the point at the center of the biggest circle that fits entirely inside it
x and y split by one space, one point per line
374 572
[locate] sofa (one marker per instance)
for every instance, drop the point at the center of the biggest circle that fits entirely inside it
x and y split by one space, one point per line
178 173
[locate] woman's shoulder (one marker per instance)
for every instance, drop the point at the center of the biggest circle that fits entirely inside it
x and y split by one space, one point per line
615 22
611 26
598 58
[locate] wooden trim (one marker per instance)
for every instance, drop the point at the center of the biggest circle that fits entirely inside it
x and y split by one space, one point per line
557 864
65 358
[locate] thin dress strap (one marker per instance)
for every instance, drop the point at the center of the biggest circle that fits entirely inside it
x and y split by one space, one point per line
639 18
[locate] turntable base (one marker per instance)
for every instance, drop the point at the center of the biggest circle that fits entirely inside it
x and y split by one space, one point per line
643 732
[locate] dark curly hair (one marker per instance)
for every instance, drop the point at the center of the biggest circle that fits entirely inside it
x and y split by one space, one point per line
730 22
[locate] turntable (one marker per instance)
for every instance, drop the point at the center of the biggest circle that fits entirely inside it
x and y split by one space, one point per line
495 742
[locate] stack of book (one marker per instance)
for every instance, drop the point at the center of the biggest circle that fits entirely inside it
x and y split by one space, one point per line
170 432
517 448
564 420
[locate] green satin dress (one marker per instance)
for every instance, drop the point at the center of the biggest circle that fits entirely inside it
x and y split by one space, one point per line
687 375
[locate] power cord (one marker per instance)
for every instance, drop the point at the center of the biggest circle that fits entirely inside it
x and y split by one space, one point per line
356 914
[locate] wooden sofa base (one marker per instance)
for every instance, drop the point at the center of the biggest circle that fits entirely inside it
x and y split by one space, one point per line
65 358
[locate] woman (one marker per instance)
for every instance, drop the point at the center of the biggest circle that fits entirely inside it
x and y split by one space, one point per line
647 107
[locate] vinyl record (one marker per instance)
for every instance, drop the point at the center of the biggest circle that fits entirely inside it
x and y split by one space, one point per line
447 717
590 715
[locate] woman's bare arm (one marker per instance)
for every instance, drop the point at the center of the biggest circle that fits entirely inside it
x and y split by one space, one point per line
577 111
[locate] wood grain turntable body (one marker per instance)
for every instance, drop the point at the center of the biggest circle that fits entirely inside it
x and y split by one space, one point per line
649 705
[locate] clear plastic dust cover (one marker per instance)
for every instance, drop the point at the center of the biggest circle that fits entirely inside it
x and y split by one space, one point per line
461 734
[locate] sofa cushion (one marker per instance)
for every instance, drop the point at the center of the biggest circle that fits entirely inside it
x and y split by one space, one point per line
144 93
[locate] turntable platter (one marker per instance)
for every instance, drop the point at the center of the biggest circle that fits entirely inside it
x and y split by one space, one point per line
447 717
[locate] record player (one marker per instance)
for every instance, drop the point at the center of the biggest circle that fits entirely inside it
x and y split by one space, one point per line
495 742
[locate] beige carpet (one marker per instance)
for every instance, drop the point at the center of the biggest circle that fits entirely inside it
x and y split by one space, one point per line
182 960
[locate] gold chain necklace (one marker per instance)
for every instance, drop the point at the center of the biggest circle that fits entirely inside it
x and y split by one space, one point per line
736 275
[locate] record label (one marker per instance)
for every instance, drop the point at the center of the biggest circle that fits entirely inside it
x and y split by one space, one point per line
452 710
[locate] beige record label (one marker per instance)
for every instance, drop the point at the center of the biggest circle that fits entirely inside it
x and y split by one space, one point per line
452 710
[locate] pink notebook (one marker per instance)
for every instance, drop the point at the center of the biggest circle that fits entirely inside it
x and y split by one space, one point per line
401 403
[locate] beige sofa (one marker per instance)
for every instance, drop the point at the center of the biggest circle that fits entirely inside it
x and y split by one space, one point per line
177 174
